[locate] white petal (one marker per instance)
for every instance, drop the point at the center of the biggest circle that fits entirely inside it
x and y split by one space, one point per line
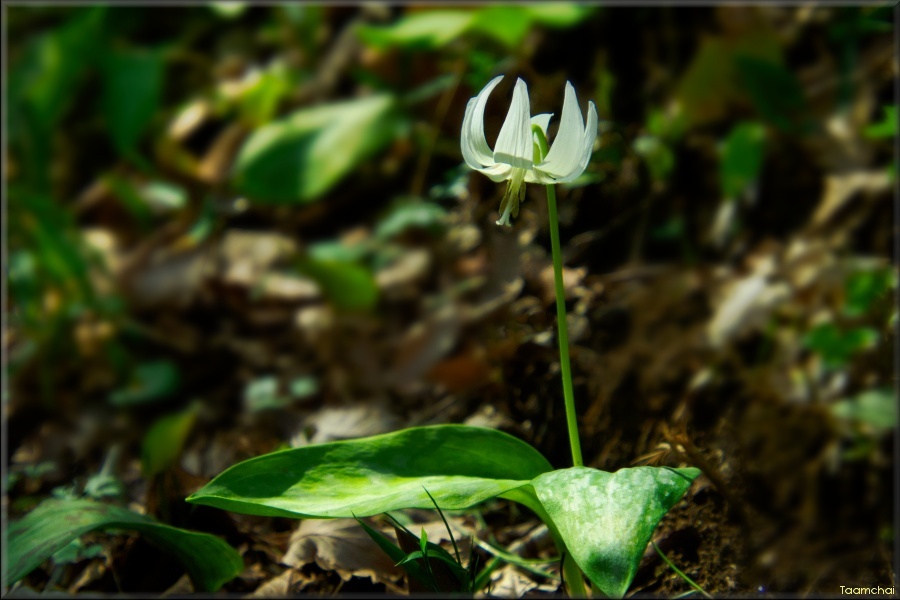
542 121
474 146
496 172
514 145
567 149
535 176
590 134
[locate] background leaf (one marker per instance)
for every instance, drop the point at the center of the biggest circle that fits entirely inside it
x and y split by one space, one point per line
54 524
150 381
349 286
299 158
607 519
132 87
460 466
165 440
742 157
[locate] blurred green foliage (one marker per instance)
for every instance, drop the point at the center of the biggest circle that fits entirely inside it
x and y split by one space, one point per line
742 158
301 157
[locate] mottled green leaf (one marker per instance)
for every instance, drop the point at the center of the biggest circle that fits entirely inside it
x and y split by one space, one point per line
607 519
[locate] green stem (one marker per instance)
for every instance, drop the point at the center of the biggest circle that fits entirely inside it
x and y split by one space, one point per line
565 367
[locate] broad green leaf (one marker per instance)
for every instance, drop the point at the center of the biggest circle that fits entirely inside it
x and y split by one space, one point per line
132 87
558 14
507 24
607 519
300 157
426 29
742 157
165 440
349 286
150 381
460 466
54 524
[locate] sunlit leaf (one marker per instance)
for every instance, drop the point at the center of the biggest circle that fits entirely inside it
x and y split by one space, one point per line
300 157
426 29
460 466
506 24
558 14
607 519
54 524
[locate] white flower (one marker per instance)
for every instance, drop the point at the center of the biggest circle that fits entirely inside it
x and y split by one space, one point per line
521 154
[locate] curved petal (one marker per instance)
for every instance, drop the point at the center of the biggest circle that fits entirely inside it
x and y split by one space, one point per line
567 149
535 176
590 134
496 172
473 144
514 145
542 120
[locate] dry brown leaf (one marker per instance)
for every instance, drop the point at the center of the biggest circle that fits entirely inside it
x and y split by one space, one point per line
290 581
424 344
343 546
840 188
399 280
246 255
367 418
745 303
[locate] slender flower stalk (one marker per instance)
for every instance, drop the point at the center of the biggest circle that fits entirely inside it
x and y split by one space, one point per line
563 331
